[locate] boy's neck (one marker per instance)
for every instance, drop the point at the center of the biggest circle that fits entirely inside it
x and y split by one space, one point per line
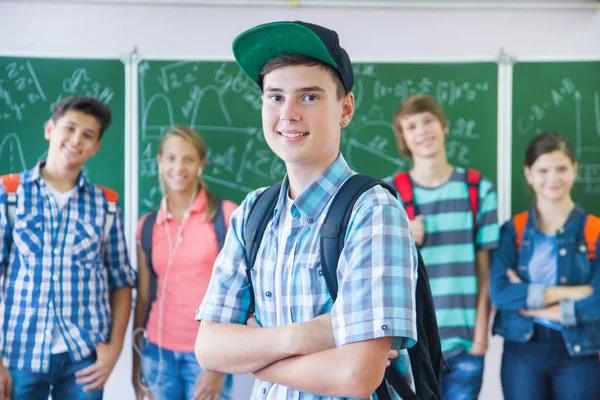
553 214
302 176
431 172
62 180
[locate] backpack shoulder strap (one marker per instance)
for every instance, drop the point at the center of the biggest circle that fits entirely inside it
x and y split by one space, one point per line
256 224
146 239
591 232
333 232
520 221
405 190
112 197
11 184
473 182
219 224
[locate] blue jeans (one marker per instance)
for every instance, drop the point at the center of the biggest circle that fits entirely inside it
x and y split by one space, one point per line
59 381
463 380
179 372
543 369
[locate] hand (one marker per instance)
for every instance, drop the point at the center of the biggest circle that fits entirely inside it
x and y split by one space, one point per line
5 383
252 322
551 313
315 335
417 228
512 276
576 293
478 348
209 386
141 392
95 376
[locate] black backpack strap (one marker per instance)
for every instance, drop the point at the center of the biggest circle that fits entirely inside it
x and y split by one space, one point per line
147 229
219 224
256 224
336 222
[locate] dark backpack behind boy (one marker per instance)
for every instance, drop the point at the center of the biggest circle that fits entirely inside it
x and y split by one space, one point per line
426 355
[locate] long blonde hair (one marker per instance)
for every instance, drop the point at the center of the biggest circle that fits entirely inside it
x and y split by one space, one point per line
193 138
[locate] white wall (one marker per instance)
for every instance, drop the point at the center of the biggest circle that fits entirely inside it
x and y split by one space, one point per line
54 28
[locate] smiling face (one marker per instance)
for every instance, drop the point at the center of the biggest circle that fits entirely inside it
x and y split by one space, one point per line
551 176
423 134
180 165
74 138
302 115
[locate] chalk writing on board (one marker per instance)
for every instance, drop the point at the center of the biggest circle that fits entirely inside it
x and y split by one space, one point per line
19 88
11 144
80 83
566 95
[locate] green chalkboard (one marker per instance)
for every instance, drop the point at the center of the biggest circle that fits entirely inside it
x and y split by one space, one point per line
217 99
562 97
29 87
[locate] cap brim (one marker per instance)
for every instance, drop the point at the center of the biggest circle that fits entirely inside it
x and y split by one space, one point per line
255 47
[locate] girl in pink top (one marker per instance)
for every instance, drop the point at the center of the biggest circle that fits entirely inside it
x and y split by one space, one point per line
184 248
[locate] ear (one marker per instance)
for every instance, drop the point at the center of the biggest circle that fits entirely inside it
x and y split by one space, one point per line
97 147
527 172
48 127
347 109
576 167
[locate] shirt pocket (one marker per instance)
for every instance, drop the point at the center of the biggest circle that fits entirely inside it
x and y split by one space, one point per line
87 245
583 269
28 234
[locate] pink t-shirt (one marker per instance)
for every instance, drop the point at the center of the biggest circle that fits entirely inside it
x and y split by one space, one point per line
189 275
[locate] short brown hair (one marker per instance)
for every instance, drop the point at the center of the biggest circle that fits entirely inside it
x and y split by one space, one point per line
286 60
416 104
87 105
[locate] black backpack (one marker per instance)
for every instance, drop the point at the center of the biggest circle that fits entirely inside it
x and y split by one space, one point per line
426 355
146 239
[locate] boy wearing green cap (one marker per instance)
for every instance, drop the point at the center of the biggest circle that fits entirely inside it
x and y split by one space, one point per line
299 343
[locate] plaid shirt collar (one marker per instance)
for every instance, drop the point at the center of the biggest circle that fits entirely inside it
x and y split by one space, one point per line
310 202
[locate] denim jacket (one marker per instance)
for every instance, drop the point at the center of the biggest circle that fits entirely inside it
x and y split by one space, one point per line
581 319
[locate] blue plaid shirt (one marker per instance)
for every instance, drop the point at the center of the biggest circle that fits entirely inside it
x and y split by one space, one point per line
56 270
376 272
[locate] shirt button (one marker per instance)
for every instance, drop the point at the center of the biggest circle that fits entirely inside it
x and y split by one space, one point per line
384 327
577 348
180 239
55 277
56 251
320 272
582 248
55 225
310 221
263 391
563 279
268 294
562 252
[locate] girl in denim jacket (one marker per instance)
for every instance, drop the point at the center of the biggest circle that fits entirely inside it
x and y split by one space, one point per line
545 283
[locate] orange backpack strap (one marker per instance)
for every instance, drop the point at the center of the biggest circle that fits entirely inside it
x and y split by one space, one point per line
591 232
112 197
520 221
473 183
11 184
405 190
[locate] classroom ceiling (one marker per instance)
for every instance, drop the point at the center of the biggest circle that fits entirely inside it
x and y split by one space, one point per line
364 3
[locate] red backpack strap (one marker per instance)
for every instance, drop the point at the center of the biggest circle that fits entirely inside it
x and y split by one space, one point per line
591 232
10 182
112 198
520 221
405 190
473 183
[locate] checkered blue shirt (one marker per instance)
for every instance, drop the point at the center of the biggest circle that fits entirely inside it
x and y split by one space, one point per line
55 269
377 272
